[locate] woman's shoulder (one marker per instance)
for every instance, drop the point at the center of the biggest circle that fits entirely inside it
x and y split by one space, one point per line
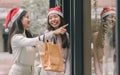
17 36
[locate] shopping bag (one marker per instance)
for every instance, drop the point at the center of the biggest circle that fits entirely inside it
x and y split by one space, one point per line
52 60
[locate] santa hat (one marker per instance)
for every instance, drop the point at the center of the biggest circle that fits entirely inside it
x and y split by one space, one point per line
56 10
11 17
106 11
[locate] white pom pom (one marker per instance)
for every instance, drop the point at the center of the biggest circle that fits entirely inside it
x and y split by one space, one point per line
6 30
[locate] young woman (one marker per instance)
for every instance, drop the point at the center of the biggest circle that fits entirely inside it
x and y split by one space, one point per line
21 43
108 23
104 43
56 22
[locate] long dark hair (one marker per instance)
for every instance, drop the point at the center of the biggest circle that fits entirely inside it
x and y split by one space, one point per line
17 28
64 37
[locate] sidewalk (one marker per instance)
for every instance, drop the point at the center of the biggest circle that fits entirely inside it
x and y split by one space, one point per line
5 62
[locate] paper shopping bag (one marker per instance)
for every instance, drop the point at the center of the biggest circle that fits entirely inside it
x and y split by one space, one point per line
52 59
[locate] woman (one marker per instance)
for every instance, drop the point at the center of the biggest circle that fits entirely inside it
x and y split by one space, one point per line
104 44
21 43
56 22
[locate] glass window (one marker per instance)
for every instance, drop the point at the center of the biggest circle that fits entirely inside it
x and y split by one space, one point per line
103 22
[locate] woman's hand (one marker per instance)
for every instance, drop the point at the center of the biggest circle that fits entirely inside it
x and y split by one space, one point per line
60 30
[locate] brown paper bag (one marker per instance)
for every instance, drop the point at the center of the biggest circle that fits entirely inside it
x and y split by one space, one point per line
52 60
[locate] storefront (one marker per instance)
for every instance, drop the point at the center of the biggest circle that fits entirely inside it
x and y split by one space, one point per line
78 14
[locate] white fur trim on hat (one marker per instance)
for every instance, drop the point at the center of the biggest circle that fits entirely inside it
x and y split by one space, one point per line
55 12
107 13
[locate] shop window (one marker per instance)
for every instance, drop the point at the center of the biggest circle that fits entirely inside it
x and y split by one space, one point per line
103 23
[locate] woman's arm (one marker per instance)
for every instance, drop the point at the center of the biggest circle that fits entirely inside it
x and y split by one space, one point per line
23 41
20 40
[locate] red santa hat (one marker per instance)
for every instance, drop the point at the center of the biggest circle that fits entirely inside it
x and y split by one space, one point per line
55 10
106 11
11 17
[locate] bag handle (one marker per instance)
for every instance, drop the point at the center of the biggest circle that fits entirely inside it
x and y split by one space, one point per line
52 39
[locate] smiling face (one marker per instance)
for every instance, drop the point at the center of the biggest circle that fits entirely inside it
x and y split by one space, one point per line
25 21
111 18
54 20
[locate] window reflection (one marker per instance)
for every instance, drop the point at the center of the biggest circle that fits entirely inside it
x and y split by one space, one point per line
103 22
